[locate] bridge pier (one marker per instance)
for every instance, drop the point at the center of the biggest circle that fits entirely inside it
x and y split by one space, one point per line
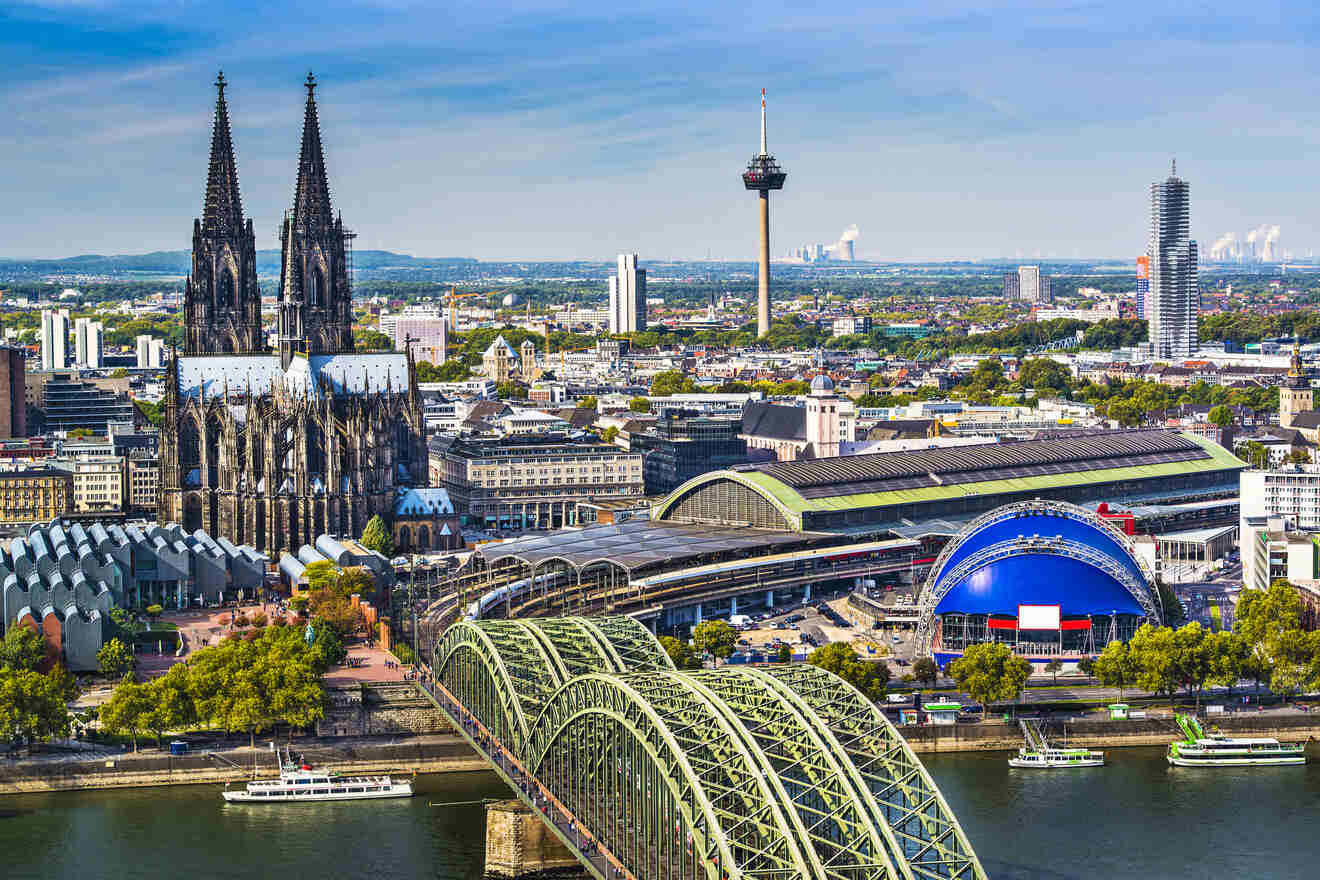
520 847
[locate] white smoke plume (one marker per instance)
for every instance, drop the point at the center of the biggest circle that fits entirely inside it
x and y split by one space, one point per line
849 234
1222 249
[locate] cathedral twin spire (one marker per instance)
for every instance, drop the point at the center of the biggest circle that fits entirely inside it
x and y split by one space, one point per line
222 296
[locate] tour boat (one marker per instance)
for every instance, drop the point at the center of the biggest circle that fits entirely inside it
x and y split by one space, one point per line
299 782
1214 749
1038 753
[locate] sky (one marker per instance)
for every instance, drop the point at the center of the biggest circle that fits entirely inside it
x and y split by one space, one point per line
547 130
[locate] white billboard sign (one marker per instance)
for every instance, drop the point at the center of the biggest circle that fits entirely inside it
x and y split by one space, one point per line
1038 617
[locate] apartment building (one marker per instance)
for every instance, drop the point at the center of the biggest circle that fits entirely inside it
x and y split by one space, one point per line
35 494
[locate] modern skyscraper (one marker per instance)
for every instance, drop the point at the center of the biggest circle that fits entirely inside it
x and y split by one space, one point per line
764 174
628 296
1173 305
1143 285
1029 283
1012 287
13 393
88 340
54 339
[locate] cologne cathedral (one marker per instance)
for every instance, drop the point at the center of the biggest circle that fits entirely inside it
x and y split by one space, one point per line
273 448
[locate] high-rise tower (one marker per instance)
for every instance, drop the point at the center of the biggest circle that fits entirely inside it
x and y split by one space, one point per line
628 296
316 298
1174 302
222 300
763 174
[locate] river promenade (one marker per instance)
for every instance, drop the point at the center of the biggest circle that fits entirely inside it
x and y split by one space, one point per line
448 753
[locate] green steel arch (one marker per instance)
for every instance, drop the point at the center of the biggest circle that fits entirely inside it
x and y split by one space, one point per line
768 773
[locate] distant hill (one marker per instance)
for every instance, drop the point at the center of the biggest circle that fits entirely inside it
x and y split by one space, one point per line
179 262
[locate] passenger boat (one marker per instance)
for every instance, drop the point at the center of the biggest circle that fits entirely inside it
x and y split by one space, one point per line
1038 753
1215 749
299 782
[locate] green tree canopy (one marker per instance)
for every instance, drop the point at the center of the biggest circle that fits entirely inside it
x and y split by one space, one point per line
680 652
116 658
926 670
839 657
639 405
376 536
33 705
23 648
715 637
128 710
990 673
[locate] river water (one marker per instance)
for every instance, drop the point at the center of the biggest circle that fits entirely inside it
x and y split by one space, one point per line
1136 818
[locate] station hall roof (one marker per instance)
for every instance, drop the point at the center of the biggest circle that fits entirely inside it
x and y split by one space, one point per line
639 543
890 478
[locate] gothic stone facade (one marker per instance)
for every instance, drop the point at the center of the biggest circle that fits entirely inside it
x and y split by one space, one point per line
269 448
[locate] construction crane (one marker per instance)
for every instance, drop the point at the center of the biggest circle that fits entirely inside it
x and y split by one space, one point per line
452 299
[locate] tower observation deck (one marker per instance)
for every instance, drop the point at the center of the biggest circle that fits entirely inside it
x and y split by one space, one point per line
764 174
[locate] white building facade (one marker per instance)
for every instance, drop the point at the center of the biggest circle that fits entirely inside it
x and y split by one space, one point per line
54 339
628 296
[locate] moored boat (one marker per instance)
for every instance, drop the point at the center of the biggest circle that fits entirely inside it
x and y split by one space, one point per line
1039 754
300 782
1215 749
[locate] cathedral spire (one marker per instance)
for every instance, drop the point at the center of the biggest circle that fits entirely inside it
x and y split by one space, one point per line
311 197
223 210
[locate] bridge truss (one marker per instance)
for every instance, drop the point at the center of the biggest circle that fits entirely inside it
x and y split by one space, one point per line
771 773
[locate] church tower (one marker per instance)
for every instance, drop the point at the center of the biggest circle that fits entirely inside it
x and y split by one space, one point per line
316 300
1295 395
823 418
222 301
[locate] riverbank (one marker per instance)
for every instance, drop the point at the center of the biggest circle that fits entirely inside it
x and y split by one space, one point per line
1097 734
442 753
446 753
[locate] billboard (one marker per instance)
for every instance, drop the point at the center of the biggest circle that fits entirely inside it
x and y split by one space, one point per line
1038 617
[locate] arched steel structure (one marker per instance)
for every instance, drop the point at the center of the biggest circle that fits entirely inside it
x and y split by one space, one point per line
773 773
939 581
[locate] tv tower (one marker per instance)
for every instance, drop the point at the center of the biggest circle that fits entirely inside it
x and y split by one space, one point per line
764 174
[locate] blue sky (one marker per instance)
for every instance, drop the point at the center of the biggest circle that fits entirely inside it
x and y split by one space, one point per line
548 130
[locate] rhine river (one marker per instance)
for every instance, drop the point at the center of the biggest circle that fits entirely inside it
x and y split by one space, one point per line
1136 818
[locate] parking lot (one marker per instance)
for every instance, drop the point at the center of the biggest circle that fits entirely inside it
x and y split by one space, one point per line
806 626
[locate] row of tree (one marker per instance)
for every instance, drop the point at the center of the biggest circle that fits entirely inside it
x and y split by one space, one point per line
254 682
1268 645
33 703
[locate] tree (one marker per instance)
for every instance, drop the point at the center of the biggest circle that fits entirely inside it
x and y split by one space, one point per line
33 705
154 611
588 402
1267 620
128 710
680 652
511 391
610 434
23 648
1086 666
372 340
783 654
715 637
1229 653
926 670
990 672
671 382
1154 654
115 658
336 611
1053 667
840 658
377 537
639 405
1193 658
1221 416
171 700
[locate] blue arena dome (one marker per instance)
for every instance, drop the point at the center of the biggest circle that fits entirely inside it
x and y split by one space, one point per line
1035 553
